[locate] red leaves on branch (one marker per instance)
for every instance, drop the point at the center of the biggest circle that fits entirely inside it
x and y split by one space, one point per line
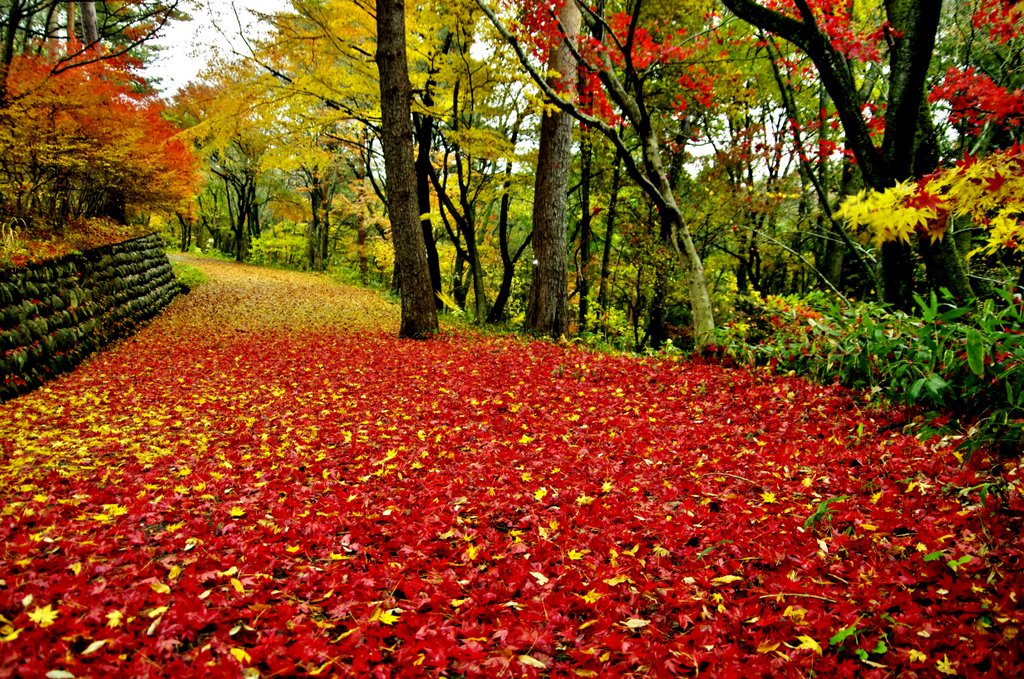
975 100
1001 18
261 481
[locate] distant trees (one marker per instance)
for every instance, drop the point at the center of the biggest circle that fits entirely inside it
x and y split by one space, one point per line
704 150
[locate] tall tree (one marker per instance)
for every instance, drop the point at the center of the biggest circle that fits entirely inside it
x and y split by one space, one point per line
547 312
419 315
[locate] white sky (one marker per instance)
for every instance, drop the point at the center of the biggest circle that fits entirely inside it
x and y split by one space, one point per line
189 45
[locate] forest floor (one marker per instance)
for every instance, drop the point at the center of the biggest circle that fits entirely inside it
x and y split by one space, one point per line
265 482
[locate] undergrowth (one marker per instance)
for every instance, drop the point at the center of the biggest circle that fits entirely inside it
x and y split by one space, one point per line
962 364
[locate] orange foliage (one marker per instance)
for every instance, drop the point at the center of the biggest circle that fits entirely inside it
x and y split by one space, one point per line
86 143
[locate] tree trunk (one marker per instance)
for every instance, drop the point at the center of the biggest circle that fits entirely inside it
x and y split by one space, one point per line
547 312
508 264
586 234
71 23
419 315
364 260
11 24
313 254
90 24
609 232
424 129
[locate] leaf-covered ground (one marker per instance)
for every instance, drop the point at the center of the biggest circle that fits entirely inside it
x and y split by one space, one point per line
264 483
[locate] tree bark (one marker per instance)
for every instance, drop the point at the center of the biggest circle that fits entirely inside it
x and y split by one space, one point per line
424 129
609 232
586 234
419 315
508 263
90 24
547 311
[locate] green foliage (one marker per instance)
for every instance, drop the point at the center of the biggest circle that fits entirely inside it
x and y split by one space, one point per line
188 276
283 245
966 361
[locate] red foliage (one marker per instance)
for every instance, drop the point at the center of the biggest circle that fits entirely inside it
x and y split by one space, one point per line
835 20
1001 18
975 99
247 484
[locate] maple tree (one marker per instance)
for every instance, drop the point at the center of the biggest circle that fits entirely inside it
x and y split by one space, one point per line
115 33
83 144
264 480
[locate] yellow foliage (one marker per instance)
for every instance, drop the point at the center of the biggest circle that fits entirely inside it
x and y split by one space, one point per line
989 192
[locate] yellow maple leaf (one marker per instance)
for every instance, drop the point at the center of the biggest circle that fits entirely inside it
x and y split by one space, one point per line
9 633
945 666
237 512
237 584
160 588
810 643
769 498
45 616
241 655
114 619
292 549
917 656
591 597
584 500
575 555
386 616
795 613
541 493
726 579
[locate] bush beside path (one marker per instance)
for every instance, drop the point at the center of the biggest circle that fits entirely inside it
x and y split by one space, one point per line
264 482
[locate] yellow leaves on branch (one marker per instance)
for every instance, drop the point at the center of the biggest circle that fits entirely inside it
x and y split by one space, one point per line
886 214
987 191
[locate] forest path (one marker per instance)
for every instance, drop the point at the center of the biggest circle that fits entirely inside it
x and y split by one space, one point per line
265 481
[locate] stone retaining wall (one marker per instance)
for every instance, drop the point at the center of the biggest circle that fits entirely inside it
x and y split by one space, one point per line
54 314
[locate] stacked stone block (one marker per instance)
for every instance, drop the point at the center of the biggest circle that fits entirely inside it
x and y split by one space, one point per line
54 314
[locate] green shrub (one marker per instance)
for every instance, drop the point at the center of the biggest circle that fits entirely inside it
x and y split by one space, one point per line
964 363
188 276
